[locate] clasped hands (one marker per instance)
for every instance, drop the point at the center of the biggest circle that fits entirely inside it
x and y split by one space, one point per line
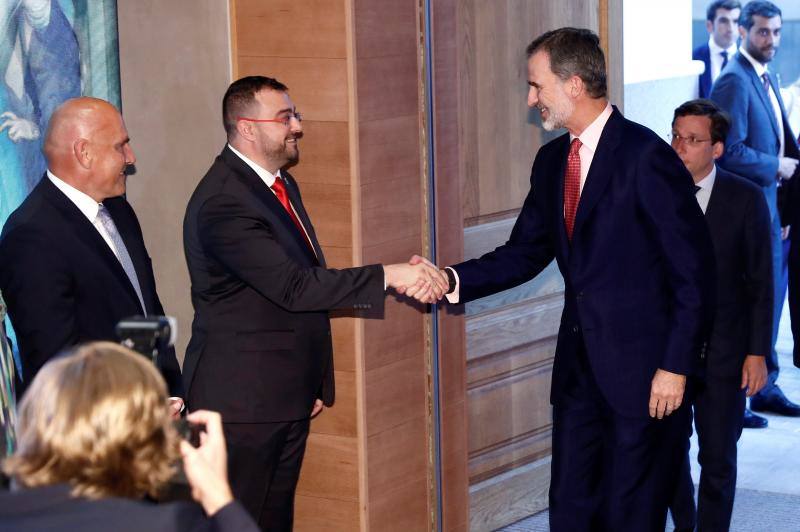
420 279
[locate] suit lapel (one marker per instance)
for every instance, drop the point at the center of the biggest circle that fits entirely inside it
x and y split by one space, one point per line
762 94
600 171
83 229
268 199
294 197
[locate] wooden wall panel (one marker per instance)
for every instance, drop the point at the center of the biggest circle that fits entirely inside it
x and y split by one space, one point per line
286 28
330 468
510 336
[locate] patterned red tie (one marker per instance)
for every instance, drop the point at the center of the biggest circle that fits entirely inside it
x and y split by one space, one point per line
280 192
572 185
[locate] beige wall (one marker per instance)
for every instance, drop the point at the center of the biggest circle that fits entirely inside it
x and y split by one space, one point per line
175 67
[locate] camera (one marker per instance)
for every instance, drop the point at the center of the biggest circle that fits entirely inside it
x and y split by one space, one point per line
189 431
148 335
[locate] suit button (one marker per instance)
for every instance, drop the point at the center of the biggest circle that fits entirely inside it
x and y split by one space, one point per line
575 329
579 297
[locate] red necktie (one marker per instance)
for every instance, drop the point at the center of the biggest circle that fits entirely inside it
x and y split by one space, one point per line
280 192
572 185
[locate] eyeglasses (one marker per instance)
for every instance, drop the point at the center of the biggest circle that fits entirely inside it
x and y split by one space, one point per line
690 140
285 121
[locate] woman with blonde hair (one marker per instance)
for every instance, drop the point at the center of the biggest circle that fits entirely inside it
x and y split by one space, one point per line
94 438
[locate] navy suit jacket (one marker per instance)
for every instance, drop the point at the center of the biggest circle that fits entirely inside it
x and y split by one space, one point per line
64 286
751 148
738 220
638 273
703 53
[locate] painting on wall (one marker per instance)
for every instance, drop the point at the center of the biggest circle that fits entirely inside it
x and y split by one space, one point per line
50 51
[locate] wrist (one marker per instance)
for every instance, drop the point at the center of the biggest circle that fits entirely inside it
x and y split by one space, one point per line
216 498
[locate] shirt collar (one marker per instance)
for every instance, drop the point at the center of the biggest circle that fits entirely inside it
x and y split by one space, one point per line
590 136
707 183
83 202
265 175
714 48
759 67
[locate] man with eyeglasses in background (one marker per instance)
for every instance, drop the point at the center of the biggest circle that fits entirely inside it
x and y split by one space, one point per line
739 224
760 147
722 23
260 352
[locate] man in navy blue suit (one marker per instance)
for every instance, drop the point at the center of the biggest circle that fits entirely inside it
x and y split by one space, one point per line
738 220
614 205
761 148
722 22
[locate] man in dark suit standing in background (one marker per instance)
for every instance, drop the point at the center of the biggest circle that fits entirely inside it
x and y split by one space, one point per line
760 147
261 352
738 220
722 23
613 204
72 257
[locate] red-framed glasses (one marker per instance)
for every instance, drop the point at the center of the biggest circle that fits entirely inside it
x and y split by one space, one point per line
285 121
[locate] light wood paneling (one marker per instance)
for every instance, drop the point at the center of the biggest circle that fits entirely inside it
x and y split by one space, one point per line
401 509
324 153
272 28
330 468
507 498
318 87
387 87
377 38
341 420
312 514
395 394
389 148
397 456
328 206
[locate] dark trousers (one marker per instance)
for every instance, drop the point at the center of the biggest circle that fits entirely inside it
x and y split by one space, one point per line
264 462
718 420
610 473
780 273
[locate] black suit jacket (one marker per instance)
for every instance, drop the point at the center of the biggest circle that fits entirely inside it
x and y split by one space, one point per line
62 283
703 53
261 342
738 220
638 272
51 508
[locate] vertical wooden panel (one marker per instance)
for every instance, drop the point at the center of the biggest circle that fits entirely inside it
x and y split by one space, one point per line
510 337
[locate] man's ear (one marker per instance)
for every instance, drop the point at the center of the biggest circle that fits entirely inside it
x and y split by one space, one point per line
244 129
576 86
710 26
83 153
718 148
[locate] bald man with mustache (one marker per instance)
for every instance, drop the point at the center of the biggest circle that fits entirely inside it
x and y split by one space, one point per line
73 262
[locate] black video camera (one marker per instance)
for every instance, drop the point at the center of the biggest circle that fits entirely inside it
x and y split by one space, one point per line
148 335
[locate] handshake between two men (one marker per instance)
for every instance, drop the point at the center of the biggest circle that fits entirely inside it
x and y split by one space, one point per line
420 279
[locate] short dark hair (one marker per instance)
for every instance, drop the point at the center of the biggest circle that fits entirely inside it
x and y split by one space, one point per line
730 5
241 94
720 122
574 52
761 8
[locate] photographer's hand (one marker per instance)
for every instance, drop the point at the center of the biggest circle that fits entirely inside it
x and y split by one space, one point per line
207 466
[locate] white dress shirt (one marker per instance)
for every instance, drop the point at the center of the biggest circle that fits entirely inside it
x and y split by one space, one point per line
776 107
590 137
715 56
269 179
86 205
706 186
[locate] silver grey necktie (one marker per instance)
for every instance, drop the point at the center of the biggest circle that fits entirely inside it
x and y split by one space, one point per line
121 251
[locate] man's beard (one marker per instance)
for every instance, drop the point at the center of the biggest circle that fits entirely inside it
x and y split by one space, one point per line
289 153
558 114
760 56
